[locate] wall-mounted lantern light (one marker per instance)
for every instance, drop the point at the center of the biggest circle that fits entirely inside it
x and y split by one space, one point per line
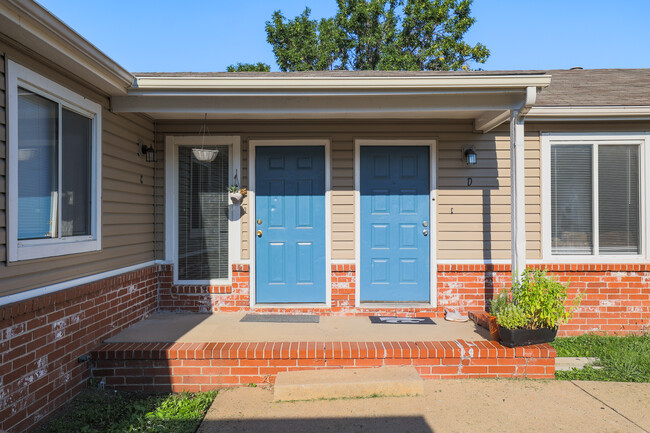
470 156
146 152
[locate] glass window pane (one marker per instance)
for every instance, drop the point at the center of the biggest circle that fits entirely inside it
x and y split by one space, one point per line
202 216
76 174
37 166
571 199
618 199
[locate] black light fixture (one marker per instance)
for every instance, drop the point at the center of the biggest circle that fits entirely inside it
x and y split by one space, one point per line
146 152
470 156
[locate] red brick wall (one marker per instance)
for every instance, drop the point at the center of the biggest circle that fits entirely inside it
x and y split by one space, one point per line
616 297
203 366
42 337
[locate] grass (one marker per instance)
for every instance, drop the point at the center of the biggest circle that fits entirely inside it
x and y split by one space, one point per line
96 411
623 359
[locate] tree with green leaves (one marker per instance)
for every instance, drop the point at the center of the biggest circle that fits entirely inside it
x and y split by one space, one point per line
249 67
378 35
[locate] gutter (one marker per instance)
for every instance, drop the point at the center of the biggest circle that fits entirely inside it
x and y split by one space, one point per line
466 82
589 113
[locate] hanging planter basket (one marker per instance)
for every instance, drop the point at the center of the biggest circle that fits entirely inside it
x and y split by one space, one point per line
201 153
236 197
205 155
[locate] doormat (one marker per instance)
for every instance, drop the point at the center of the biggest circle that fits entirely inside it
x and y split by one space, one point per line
281 318
402 320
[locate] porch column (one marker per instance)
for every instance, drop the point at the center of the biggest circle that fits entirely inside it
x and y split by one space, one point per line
517 194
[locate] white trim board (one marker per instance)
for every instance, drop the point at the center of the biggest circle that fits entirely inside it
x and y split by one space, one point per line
622 138
22 296
172 143
252 144
433 225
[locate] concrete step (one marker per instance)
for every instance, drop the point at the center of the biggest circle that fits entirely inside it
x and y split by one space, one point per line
568 363
342 383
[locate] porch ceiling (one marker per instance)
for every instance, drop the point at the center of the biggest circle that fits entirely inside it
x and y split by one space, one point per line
487 99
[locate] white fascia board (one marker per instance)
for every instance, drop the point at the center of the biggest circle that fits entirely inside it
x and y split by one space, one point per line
619 112
36 28
290 82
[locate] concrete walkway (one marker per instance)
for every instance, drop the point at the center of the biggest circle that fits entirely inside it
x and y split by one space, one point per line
446 406
226 327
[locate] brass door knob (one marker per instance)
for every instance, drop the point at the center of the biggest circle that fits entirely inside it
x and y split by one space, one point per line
259 233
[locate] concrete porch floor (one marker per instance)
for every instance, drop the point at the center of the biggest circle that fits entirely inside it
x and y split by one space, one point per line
226 327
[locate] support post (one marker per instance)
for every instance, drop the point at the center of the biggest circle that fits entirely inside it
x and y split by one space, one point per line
517 195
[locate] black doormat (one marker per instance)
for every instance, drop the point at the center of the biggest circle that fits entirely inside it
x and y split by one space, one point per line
402 320
281 318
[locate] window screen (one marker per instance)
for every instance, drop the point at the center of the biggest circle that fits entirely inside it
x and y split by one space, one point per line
76 161
202 215
571 199
37 166
618 199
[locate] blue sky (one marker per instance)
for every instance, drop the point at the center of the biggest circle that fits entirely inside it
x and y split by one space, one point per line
195 35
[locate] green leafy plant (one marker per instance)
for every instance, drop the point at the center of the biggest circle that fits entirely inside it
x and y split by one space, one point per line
498 302
511 316
542 299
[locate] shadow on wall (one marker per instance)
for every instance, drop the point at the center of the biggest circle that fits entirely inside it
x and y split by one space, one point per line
411 424
472 187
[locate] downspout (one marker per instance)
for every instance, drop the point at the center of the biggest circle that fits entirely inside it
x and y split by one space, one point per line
518 184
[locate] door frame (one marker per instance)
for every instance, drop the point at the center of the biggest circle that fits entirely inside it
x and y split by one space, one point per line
172 143
433 226
252 144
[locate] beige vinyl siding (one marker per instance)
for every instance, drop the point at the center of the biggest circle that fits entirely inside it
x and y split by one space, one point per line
478 229
127 197
474 221
461 235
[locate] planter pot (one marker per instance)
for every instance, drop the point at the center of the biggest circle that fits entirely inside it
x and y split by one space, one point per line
524 337
493 327
236 196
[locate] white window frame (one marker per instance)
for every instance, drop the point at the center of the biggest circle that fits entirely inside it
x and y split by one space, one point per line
20 76
624 138
172 143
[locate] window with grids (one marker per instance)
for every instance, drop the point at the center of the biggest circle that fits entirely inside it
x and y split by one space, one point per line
203 215
595 199
54 149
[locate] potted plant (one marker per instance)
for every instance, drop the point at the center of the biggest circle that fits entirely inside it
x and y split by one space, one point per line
236 193
534 310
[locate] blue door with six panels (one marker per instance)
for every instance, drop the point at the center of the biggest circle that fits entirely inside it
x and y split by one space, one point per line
394 224
290 224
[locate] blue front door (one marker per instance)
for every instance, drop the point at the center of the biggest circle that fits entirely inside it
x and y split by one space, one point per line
394 224
289 224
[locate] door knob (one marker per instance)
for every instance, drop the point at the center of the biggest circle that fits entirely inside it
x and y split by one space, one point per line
259 233
425 232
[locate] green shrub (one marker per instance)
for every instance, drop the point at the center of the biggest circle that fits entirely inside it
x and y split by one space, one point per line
511 316
498 302
542 299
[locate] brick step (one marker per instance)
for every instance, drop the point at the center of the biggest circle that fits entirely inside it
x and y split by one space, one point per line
354 382
202 366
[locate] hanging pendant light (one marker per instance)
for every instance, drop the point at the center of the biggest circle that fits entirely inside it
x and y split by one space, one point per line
201 153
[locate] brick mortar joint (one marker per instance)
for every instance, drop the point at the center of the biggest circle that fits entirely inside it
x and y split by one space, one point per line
84 290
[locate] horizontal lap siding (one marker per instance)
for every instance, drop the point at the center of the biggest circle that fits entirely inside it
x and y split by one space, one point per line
474 221
127 205
474 231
